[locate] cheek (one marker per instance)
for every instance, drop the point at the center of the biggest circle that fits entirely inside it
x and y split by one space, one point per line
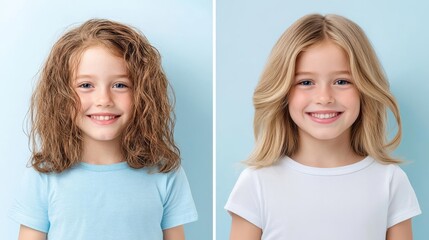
297 101
127 102
296 104
353 102
84 102
357 108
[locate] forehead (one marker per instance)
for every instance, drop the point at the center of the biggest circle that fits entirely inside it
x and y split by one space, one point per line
100 60
323 57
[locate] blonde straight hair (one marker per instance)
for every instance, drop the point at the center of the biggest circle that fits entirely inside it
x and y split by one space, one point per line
276 135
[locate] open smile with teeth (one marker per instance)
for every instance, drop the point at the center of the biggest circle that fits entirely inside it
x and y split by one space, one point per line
324 115
103 118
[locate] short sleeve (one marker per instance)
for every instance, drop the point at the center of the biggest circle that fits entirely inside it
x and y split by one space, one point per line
30 206
403 202
245 198
179 207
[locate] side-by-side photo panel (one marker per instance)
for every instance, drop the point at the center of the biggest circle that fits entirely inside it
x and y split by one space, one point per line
109 127
320 131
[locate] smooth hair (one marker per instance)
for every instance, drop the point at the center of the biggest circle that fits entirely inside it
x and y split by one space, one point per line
147 140
276 135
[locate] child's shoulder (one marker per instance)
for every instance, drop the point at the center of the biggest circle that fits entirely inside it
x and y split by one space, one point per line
391 172
391 168
251 172
175 176
30 173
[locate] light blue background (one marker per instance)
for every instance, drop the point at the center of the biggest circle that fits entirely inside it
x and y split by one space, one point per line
180 30
246 32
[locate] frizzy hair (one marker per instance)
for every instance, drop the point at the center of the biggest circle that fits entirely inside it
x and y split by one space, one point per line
276 135
147 140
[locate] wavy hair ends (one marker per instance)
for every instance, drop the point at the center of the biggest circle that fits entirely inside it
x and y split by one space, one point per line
147 140
276 135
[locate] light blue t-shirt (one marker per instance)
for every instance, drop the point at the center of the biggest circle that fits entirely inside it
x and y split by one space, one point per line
90 202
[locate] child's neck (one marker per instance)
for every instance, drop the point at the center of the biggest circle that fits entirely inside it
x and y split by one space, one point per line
101 152
325 153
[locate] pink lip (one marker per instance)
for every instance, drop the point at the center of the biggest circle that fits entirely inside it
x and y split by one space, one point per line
103 114
324 120
113 119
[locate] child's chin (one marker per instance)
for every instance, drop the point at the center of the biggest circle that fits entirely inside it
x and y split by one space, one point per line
103 137
326 136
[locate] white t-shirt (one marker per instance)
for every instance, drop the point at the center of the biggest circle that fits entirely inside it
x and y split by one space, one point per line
294 201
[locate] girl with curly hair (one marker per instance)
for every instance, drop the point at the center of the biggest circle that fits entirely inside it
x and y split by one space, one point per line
104 161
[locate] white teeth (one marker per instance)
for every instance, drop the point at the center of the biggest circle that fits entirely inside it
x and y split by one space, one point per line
324 115
102 118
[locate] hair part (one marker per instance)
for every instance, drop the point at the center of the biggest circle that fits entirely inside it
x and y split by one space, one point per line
147 140
276 135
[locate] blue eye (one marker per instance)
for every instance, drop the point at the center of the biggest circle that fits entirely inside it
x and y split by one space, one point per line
305 83
120 85
85 85
342 82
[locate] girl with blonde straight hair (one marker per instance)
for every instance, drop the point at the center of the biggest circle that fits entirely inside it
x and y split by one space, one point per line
321 167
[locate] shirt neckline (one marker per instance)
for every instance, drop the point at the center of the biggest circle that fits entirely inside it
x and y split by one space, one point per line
103 167
347 169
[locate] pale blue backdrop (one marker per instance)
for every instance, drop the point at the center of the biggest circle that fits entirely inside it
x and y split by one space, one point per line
180 30
246 32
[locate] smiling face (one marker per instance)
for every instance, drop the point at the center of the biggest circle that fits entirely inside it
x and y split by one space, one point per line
105 94
323 102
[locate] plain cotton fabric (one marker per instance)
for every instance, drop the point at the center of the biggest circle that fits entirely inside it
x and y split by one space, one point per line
294 201
90 202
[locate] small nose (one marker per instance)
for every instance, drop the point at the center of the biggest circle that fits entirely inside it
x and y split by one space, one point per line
324 96
103 98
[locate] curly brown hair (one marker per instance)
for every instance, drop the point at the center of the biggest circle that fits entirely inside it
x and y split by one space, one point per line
147 140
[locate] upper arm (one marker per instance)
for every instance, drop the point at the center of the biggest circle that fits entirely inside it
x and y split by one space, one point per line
179 206
26 233
400 231
174 233
30 207
241 229
403 203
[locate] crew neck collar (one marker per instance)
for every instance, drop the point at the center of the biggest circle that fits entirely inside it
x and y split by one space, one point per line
347 169
103 167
